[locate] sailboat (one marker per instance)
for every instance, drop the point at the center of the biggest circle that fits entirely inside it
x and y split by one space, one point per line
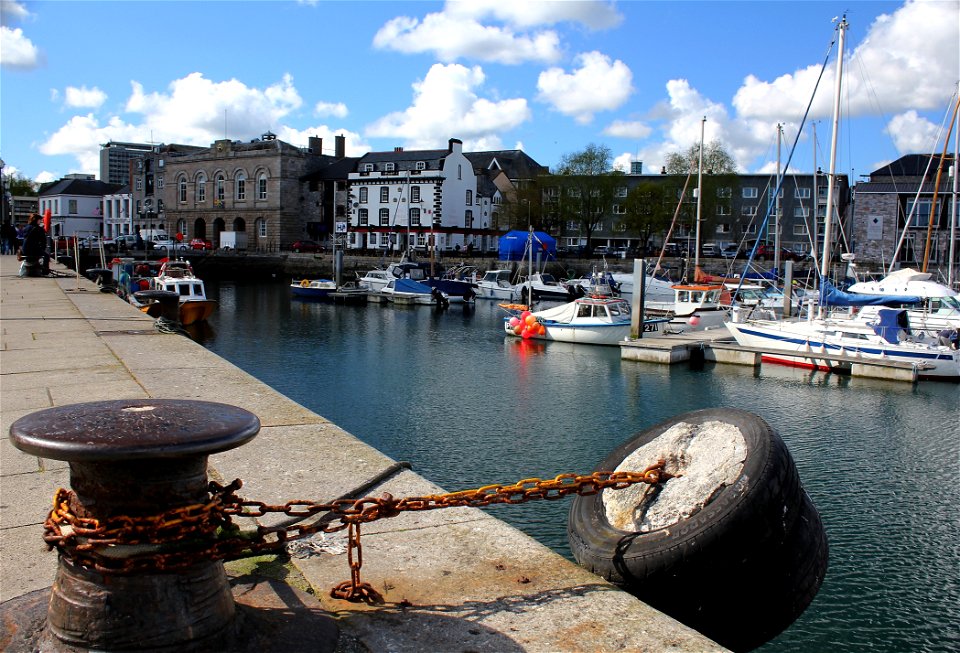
817 342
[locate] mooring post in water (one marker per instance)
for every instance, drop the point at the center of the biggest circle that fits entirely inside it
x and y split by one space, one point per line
136 458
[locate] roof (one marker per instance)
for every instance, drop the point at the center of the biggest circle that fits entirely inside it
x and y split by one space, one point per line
88 187
336 169
910 165
903 186
515 163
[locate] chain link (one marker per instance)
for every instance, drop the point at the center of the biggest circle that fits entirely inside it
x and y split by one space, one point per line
187 535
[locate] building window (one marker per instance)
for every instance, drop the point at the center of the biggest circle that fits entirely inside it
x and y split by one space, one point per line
919 216
725 192
468 218
160 182
573 225
460 172
749 192
801 212
363 217
414 193
384 194
159 206
220 189
619 209
182 189
72 207
801 193
241 184
363 194
261 227
368 167
723 228
139 183
620 227
201 187
799 230
621 191
415 217
421 165
748 210
262 186
469 197
750 229
388 167
384 217
723 209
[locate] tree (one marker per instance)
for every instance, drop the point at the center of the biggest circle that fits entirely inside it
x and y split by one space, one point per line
585 188
719 178
19 186
648 209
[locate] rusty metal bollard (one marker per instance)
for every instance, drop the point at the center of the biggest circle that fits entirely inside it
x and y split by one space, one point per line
137 457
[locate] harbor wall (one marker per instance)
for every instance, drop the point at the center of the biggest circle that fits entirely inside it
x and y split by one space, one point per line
452 579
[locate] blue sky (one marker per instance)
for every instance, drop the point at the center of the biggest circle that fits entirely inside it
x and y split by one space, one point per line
547 77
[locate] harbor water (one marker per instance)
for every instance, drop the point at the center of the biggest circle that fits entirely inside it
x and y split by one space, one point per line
467 406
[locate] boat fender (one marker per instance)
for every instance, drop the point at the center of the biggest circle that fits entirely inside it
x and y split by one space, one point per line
305 283
731 546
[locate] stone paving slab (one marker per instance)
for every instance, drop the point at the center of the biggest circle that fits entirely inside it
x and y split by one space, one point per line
454 579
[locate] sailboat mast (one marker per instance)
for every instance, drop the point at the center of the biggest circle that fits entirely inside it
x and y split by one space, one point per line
831 175
696 243
776 206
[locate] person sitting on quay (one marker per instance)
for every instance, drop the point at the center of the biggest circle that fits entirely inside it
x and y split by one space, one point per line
34 248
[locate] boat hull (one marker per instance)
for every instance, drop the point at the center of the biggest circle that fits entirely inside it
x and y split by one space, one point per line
195 311
787 343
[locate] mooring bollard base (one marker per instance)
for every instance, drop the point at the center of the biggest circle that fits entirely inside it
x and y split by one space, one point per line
270 615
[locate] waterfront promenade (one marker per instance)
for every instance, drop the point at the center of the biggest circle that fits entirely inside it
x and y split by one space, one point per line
453 579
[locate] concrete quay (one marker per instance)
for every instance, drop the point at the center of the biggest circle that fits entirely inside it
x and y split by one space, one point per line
453 580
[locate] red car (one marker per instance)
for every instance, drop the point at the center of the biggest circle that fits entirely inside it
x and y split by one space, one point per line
201 243
307 246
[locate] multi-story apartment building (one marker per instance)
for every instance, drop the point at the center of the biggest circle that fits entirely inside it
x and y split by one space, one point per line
734 209
894 213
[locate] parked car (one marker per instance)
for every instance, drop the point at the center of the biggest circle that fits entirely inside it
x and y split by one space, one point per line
709 249
307 246
765 251
201 244
129 241
166 243
730 251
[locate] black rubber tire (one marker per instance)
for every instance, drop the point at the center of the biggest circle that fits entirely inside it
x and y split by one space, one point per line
740 570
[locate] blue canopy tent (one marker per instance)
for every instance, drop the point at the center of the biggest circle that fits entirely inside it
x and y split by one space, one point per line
513 245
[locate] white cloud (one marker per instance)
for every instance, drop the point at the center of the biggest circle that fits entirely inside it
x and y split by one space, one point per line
591 14
197 111
446 104
628 129
17 51
83 97
335 109
912 133
45 177
907 60
597 85
450 39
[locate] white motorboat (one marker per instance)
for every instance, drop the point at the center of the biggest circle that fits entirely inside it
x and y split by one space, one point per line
592 320
375 280
544 286
495 284
177 276
408 291
938 308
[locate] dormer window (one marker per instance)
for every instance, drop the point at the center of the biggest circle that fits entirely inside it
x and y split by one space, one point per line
368 167
421 165
388 167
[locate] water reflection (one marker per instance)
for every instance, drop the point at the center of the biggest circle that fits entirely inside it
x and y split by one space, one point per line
468 406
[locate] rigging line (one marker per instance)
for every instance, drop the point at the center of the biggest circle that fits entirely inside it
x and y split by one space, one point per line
793 149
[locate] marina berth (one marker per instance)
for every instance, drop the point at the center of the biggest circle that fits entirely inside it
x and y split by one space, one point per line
313 288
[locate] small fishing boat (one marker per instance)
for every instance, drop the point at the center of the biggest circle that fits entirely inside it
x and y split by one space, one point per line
177 276
695 307
313 288
408 291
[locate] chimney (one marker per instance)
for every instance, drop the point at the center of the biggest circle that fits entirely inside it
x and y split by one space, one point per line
455 145
663 170
340 144
315 145
398 149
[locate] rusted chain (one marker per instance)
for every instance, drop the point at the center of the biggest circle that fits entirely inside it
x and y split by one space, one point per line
183 536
